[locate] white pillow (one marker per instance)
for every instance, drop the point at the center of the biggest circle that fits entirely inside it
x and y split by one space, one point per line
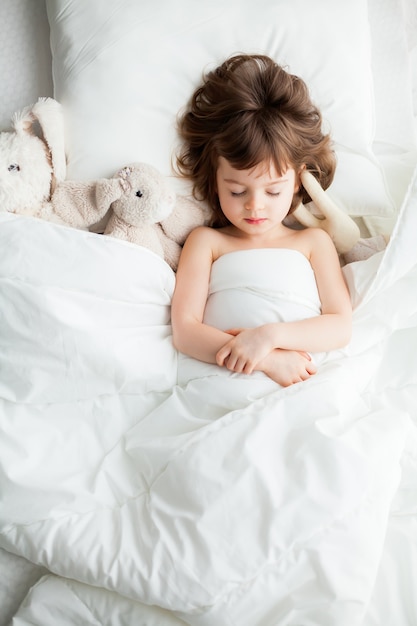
392 72
123 70
395 142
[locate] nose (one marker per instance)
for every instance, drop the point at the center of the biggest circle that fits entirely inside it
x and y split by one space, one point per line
253 202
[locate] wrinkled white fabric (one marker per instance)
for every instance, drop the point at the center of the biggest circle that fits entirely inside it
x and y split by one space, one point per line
222 498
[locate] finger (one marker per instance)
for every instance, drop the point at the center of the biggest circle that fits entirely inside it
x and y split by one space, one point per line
236 364
222 355
233 364
242 367
311 368
225 358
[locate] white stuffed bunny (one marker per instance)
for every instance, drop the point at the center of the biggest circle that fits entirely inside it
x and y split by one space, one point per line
33 169
32 160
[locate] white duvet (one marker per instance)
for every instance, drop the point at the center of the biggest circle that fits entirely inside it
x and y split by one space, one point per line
147 478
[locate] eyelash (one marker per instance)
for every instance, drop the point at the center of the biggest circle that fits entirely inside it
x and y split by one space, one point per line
236 194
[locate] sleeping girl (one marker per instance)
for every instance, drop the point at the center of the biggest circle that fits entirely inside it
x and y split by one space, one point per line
251 293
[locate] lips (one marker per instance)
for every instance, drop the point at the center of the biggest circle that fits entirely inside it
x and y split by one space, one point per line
255 220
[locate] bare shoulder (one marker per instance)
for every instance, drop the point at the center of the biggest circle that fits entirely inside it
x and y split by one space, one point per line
198 239
203 235
200 233
199 251
206 238
316 236
314 241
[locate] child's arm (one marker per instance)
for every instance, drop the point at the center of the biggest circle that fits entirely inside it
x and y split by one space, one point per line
194 338
328 331
190 335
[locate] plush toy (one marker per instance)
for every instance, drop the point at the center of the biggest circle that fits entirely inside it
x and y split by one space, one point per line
75 203
344 232
146 211
32 159
342 229
33 170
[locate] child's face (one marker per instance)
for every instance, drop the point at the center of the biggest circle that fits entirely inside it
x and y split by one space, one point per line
257 199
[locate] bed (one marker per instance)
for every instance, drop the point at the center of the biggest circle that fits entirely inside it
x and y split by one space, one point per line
138 486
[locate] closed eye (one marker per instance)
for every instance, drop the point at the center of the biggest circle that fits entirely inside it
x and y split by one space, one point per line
237 193
13 167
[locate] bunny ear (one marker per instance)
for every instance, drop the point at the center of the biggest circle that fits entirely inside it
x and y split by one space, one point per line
320 198
340 226
22 121
48 112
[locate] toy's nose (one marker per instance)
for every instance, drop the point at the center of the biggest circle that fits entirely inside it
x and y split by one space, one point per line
139 193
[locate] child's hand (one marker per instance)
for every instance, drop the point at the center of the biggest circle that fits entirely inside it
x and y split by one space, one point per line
287 367
245 350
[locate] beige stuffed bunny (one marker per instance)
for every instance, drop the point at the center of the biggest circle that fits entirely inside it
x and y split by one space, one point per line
146 211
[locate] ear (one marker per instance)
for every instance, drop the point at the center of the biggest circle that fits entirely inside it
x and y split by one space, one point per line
48 113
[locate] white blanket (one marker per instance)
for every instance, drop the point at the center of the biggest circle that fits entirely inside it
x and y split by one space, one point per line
221 498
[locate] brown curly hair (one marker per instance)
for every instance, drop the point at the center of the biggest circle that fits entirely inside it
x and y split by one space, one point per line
250 110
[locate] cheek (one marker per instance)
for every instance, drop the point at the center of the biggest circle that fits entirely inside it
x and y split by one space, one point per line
220 196
225 198
286 199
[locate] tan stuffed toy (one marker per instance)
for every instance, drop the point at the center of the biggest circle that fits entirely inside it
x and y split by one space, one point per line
75 203
342 229
32 160
146 211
